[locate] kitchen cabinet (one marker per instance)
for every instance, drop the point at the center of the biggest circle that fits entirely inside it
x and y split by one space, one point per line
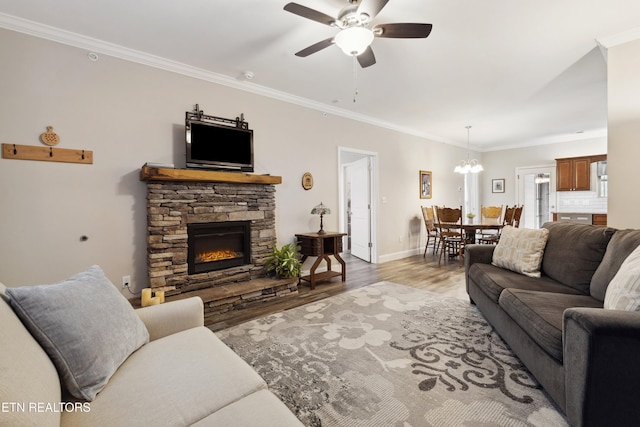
573 174
581 218
600 219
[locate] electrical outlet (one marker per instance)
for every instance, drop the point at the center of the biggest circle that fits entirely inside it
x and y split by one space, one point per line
126 281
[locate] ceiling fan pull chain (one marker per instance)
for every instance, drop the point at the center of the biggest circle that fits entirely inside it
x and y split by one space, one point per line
355 78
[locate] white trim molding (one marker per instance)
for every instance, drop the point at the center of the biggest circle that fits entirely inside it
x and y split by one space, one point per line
90 44
613 40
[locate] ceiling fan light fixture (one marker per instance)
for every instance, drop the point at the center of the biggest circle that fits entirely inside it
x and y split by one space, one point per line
354 40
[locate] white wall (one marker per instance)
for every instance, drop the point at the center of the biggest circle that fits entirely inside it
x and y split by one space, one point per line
623 75
503 164
129 114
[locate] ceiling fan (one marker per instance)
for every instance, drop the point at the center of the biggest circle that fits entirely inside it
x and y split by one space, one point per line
356 30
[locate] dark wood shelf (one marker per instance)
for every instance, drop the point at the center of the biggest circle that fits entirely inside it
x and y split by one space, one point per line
148 173
322 276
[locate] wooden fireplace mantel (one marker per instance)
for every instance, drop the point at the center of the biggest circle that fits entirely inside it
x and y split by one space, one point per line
148 173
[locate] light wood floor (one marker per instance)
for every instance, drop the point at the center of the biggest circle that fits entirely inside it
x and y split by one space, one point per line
416 271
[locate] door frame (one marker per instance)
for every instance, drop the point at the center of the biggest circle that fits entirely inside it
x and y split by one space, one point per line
345 156
553 202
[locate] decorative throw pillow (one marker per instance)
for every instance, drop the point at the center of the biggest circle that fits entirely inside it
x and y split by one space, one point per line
84 324
520 250
623 293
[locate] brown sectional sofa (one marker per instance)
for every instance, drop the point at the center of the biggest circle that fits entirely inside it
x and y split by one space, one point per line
585 357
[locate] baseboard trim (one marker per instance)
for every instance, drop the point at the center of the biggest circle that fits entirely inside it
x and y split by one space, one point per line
399 255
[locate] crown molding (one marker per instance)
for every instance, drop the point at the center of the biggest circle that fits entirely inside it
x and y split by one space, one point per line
554 139
90 44
607 42
620 38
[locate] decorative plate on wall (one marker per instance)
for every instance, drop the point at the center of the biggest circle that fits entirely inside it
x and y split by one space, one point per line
50 137
307 181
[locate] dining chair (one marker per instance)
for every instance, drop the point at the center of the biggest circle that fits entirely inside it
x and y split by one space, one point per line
507 219
432 231
508 215
451 241
517 214
489 214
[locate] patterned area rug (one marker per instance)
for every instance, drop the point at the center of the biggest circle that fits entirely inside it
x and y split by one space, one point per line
390 355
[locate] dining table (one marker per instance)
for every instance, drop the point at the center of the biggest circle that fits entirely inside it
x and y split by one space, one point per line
471 228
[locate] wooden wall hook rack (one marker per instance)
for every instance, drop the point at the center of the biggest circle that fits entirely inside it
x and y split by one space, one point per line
47 154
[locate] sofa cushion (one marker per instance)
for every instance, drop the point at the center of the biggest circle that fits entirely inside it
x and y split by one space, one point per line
172 381
493 280
540 315
272 413
27 375
3 294
620 246
520 250
574 252
84 324
623 292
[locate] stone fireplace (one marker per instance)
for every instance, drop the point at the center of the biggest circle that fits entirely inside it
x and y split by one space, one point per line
224 223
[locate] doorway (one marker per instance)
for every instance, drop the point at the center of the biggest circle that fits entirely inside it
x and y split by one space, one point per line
357 210
537 192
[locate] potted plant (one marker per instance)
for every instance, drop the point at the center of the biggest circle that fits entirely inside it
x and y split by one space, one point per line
285 262
470 217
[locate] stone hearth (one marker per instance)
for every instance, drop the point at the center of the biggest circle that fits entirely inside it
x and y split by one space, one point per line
176 198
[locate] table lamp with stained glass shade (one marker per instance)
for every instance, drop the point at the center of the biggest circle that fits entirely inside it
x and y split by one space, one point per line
321 210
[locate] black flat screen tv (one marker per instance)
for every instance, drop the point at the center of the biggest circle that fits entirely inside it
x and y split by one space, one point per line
218 147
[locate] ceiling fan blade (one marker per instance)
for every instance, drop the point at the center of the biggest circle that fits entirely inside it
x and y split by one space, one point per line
372 7
367 58
309 13
315 47
403 31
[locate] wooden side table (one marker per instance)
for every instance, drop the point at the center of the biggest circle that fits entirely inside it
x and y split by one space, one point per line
321 246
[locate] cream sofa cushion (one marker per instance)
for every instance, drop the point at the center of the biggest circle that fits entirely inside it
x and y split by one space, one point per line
2 293
521 250
260 409
165 319
176 380
27 375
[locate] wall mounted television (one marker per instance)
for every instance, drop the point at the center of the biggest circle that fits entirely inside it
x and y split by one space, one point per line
218 144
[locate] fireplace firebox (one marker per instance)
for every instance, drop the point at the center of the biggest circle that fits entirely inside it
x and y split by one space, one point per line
218 245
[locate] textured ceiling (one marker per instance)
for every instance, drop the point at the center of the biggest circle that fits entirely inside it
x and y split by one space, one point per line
519 72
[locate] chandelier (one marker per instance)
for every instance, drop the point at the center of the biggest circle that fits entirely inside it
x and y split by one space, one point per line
470 165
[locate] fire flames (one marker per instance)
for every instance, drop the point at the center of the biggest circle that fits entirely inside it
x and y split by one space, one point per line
220 255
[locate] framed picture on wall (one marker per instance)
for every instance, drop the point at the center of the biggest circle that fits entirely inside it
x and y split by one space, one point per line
497 185
426 185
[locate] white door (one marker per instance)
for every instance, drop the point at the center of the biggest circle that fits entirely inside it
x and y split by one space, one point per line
537 193
360 175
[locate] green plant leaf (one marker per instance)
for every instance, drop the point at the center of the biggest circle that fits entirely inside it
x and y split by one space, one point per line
285 261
